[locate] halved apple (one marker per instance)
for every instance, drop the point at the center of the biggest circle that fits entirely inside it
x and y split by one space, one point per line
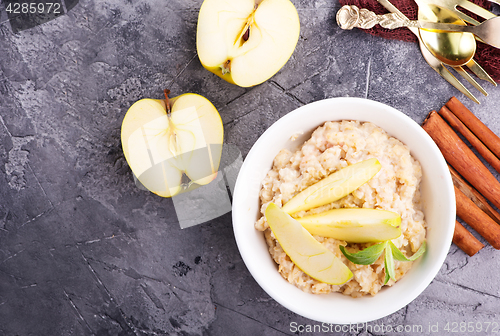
246 42
306 252
356 225
167 140
333 187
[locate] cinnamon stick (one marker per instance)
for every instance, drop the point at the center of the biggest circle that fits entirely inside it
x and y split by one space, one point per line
490 139
465 240
461 157
473 140
477 219
473 195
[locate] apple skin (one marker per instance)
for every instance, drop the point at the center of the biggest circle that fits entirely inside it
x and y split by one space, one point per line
161 147
307 253
354 225
223 48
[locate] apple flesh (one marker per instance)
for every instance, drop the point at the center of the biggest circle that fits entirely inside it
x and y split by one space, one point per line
306 252
166 141
246 42
354 225
333 187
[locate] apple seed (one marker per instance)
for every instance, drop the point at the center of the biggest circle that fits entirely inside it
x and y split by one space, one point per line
166 92
246 36
173 143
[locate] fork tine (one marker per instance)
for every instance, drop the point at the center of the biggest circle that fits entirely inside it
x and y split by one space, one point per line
471 80
466 18
479 71
439 67
446 74
466 4
476 9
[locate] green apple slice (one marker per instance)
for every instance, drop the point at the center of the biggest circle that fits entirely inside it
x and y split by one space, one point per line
306 252
354 225
333 187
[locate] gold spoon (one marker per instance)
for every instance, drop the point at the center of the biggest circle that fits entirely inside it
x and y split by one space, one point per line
452 48
350 16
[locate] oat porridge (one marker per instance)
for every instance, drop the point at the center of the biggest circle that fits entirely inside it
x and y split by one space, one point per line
395 187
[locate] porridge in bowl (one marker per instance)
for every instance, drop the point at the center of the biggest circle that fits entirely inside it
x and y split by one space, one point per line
333 146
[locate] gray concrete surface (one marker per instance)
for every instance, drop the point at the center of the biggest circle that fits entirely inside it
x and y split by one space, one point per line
83 251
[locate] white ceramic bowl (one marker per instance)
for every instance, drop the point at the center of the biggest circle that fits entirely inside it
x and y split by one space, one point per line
436 190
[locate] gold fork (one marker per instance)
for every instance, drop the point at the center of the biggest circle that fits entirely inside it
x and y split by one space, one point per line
453 5
439 67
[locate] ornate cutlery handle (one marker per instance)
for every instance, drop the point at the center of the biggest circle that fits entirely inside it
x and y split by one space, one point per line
350 16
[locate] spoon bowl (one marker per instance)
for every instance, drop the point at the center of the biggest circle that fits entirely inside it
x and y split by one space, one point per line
452 48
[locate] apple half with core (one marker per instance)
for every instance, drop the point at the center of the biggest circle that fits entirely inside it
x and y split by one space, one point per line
246 42
307 253
354 225
173 145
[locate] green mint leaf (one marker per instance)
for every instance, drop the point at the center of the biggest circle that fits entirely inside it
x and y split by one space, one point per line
365 257
389 263
399 256
370 254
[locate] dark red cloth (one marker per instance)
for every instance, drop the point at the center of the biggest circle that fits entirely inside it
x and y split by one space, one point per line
486 56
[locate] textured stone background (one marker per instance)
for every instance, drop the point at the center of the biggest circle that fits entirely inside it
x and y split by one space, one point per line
84 252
